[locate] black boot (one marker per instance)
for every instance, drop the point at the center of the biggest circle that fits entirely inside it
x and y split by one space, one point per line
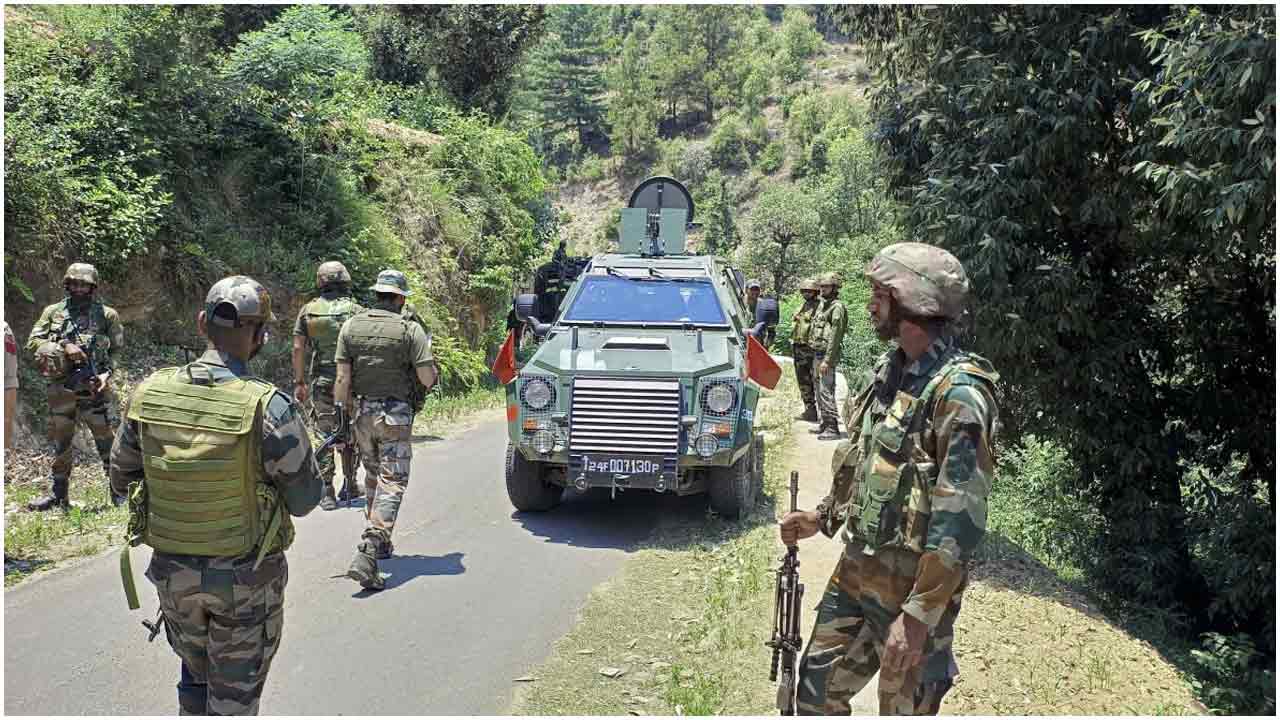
364 566
810 414
831 431
822 427
328 502
57 497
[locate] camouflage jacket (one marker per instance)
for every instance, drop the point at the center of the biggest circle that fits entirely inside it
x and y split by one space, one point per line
287 458
319 321
826 334
60 322
946 453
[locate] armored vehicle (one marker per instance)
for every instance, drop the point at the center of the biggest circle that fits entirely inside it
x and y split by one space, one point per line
647 375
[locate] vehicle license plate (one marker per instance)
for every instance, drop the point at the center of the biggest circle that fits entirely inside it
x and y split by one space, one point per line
613 465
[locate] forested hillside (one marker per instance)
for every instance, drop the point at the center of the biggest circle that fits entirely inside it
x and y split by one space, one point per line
1106 175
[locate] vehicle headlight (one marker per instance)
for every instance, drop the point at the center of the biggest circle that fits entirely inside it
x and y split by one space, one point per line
706 445
719 398
544 441
537 393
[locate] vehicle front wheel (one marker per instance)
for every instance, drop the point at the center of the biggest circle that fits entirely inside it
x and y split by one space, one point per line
528 491
733 489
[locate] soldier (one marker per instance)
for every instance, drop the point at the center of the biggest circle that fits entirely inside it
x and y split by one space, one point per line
826 338
910 492
213 426
317 326
71 335
382 356
801 351
753 298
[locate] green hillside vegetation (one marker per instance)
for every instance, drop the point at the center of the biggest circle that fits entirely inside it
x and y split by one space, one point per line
1109 186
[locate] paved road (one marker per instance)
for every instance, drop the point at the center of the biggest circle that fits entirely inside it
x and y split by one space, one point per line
476 596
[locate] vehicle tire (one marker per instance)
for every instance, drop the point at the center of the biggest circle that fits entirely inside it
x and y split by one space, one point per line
758 466
733 489
525 486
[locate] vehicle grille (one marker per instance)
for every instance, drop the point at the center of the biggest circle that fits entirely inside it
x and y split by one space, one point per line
628 416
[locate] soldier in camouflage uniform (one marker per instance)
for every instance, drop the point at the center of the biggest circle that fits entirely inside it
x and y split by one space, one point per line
801 351
910 491
221 597
66 334
826 338
318 324
382 355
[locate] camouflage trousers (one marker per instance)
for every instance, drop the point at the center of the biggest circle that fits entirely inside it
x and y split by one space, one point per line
224 620
383 429
824 387
803 359
66 408
862 599
326 421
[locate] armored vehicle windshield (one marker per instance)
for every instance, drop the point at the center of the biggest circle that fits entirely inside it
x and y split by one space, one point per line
622 299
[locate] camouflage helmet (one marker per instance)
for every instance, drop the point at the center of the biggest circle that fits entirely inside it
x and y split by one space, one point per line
830 278
84 272
392 281
809 283
332 272
251 301
51 359
926 280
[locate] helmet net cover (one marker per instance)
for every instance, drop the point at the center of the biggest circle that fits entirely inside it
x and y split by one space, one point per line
926 281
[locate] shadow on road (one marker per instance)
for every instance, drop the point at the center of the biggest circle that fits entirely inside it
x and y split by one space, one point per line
400 569
594 520
425 438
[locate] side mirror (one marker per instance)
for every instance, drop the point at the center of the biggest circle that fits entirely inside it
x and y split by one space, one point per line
524 306
540 329
766 311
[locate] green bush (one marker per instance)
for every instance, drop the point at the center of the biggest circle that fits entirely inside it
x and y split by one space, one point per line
728 144
771 159
1231 676
306 40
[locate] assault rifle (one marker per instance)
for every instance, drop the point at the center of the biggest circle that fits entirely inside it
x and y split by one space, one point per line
87 371
786 620
349 453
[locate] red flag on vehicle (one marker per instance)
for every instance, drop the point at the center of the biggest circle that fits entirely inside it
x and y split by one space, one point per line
504 366
760 365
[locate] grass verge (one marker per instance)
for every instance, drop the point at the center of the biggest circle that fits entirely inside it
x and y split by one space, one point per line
681 629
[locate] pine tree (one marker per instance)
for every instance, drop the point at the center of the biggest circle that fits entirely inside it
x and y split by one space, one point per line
565 71
633 108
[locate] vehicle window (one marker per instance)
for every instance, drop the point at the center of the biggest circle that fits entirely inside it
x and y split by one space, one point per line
620 299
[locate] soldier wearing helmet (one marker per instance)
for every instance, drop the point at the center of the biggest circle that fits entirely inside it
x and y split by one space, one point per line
382 356
827 338
909 496
801 351
317 329
71 336
211 424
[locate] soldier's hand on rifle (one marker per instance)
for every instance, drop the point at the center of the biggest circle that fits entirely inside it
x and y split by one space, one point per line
75 355
99 382
300 391
798 525
905 644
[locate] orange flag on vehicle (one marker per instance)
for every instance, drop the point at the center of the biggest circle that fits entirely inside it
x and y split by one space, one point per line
760 365
504 366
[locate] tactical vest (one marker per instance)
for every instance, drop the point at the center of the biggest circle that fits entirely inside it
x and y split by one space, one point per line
204 493
378 343
820 326
94 333
802 325
323 320
891 501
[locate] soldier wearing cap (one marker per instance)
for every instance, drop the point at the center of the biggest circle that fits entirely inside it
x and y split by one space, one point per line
70 335
317 329
381 356
753 298
909 495
208 445
826 337
802 352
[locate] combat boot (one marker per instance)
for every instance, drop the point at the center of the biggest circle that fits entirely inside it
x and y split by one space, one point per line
57 497
831 432
822 427
810 414
328 502
364 567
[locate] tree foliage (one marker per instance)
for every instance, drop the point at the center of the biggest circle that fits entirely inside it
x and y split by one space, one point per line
566 75
785 230
1107 176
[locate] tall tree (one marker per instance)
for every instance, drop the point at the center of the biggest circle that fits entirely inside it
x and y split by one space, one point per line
1107 176
566 70
633 107
784 233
